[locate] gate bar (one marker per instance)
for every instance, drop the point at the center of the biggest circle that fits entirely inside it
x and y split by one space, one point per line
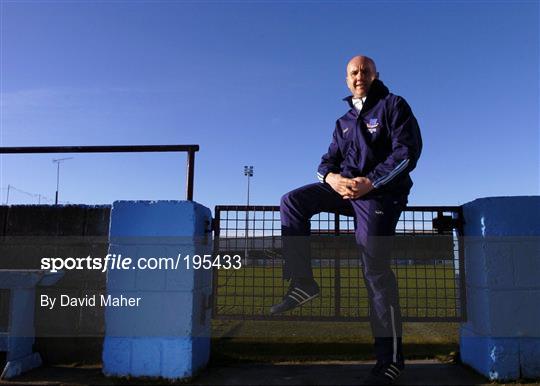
190 149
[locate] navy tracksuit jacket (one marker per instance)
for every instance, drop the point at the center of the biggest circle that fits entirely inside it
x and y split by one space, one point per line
382 143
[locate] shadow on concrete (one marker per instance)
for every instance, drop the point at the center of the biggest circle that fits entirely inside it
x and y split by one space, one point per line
427 372
417 372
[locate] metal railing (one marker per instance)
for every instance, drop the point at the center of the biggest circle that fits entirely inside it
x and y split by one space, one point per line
190 149
427 260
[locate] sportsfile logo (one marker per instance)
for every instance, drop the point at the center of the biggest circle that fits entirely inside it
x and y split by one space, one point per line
119 262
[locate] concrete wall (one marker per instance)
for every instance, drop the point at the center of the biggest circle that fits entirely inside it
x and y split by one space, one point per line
168 334
29 233
501 338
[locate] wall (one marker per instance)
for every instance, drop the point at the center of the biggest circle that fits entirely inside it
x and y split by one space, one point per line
31 232
501 338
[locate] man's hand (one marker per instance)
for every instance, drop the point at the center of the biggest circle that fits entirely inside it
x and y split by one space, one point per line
349 188
361 187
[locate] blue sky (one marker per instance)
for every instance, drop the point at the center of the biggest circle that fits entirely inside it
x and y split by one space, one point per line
260 83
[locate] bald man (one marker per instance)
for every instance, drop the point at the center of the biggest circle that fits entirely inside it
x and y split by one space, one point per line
365 174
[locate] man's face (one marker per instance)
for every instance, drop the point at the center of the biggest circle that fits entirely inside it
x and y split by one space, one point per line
361 73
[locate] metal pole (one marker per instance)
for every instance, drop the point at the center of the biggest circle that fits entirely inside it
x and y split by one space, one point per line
57 182
337 271
246 253
190 174
97 149
58 176
7 197
248 171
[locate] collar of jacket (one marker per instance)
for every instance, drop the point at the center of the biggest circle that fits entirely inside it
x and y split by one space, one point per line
377 91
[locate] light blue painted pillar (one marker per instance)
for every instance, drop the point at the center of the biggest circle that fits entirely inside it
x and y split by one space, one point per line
501 338
166 333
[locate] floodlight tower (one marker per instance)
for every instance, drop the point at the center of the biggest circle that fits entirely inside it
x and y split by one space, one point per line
57 161
248 172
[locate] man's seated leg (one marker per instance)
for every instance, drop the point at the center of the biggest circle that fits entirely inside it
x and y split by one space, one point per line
296 209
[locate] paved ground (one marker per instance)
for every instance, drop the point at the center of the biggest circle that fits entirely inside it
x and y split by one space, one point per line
337 373
418 372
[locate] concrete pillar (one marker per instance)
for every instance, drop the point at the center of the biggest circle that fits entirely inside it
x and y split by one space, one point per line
168 334
501 338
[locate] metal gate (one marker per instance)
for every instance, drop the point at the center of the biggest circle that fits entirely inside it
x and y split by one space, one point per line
427 259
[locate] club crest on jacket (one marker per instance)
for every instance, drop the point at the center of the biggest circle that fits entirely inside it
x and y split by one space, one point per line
373 125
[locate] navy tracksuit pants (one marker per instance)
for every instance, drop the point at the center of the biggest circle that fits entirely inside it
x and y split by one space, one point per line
374 218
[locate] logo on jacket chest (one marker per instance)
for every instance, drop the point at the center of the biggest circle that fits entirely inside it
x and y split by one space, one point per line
373 125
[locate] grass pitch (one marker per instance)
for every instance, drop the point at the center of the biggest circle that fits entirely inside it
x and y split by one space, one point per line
427 292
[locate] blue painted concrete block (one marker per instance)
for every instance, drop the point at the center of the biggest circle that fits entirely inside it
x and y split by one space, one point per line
151 280
530 357
202 307
178 314
183 276
492 265
498 263
171 358
179 280
502 264
125 279
502 216
116 356
478 310
515 313
493 312
177 358
146 357
474 267
527 262
496 358
174 301
159 219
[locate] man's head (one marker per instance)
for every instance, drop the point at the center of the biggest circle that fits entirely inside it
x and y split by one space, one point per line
361 72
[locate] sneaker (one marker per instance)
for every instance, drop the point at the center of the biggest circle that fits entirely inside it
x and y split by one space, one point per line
384 373
297 295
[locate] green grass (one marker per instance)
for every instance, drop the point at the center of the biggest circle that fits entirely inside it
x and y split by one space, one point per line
425 291
276 341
